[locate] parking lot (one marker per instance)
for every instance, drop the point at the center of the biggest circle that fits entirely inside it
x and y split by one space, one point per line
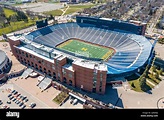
20 95
40 6
14 99
12 96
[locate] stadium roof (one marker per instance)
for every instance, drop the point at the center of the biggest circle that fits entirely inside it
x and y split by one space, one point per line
2 56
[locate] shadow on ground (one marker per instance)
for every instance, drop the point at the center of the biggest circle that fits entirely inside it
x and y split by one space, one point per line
110 97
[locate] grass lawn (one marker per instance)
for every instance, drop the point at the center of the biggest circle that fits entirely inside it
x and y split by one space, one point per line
86 49
151 78
137 86
54 12
135 80
82 6
77 8
71 9
16 26
2 40
8 12
60 97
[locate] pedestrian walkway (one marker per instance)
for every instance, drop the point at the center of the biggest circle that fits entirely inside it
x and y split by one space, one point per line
133 99
65 10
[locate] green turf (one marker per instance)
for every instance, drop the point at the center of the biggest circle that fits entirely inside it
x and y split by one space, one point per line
8 12
54 12
77 8
86 49
14 26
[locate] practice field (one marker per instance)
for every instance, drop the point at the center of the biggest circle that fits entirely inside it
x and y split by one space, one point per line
86 49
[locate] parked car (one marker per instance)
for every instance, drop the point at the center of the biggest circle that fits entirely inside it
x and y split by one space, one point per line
20 97
26 99
13 91
8 102
13 99
21 103
18 94
32 105
23 106
75 101
18 101
9 95
71 101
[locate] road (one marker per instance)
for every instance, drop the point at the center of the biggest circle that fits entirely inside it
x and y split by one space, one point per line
154 21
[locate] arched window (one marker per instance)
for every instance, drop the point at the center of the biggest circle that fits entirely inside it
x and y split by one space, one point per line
54 75
70 82
64 80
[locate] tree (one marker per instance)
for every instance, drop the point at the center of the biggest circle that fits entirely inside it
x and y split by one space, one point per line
154 68
51 17
133 85
143 83
13 18
156 75
161 40
161 71
22 16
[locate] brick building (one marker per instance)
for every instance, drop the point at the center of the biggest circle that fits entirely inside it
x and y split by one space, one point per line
83 74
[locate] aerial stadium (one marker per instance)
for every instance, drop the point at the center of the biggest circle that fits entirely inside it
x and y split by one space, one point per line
87 53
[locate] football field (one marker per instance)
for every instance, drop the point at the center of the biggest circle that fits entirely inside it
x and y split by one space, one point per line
86 49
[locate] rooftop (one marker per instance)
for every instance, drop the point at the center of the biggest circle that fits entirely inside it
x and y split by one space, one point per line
15 38
36 54
61 57
106 19
91 65
68 67
2 56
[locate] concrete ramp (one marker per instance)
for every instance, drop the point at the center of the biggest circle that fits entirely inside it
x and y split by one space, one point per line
44 83
27 72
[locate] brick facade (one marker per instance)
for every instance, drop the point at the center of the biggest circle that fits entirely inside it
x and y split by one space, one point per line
79 76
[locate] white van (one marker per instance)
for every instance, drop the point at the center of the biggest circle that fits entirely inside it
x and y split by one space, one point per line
74 101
